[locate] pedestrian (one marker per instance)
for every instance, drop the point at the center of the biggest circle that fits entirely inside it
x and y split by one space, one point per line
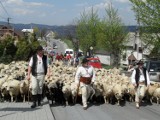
84 78
37 69
130 68
76 61
141 81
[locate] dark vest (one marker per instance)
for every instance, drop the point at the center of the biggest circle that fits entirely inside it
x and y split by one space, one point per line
35 61
137 76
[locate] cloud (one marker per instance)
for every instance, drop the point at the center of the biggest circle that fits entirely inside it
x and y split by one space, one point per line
22 11
81 4
123 1
22 3
98 6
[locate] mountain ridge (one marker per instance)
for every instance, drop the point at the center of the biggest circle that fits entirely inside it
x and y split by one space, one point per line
62 30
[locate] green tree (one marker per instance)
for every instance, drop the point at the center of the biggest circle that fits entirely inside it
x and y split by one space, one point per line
112 35
24 50
7 48
87 30
148 16
8 42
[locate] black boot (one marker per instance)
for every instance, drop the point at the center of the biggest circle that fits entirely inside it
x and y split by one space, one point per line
34 97
39 99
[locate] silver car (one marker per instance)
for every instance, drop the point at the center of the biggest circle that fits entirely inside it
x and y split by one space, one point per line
153 68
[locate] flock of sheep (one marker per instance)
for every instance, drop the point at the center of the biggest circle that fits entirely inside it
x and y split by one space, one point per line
110 85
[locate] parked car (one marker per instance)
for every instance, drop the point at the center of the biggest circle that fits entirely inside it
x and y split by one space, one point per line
153 67
95 62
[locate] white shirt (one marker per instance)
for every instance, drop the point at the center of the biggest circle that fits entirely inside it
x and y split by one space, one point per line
141 78
40 67
85 72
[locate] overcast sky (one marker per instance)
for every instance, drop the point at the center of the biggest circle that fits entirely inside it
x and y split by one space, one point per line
60 12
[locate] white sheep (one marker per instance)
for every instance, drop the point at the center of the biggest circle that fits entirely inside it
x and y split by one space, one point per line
107 92
4 91
14 89
66 92
151 89
24 89
156 95
118 92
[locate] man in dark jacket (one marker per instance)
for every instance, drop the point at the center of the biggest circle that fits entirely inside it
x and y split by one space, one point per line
141 81
38 67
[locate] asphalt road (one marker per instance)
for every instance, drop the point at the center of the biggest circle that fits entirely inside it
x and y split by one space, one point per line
107 112
61 46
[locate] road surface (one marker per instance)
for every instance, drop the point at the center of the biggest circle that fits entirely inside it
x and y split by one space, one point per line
107 112
61 46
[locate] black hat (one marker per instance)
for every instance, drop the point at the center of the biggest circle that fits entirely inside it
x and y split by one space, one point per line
85 60
140 62
39 48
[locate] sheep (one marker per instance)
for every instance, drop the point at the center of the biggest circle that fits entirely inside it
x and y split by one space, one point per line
131 92
4 92
98 90
14 89
151 90
74 93
107 92
66 92
118 92
50 90
156 95
24 89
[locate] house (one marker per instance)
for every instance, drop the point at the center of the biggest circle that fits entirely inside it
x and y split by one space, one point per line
135 49
27 32
8 29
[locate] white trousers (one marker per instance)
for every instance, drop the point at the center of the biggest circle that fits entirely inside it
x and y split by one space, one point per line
87 91
140 93
37 84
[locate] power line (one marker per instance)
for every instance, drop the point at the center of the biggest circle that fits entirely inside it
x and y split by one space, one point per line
4 8
8 19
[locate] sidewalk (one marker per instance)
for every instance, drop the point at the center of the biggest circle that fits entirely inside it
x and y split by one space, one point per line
22 111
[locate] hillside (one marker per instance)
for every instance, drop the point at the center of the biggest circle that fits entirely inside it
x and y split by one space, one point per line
61 30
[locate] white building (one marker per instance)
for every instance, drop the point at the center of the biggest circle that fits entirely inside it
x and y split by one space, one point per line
135 49
27 30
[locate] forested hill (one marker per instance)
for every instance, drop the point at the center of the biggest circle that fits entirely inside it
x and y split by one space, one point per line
61 30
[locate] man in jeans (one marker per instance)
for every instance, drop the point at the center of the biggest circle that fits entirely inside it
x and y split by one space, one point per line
38 67
141 81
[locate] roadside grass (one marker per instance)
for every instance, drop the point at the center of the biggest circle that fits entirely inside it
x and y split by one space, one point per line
69 43
106 66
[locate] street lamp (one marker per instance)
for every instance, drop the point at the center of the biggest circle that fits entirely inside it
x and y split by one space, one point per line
91 51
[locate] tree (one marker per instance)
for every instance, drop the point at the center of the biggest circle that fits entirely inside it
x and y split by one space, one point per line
87 30
24 50
113 35
148 15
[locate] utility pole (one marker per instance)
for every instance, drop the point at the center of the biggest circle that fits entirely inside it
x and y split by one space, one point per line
137 38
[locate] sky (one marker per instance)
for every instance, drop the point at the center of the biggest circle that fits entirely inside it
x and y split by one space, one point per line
61 12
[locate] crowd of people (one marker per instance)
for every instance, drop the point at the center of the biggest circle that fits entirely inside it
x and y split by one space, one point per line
66 58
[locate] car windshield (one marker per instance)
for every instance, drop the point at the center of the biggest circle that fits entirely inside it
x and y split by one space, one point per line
155 66
69 52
